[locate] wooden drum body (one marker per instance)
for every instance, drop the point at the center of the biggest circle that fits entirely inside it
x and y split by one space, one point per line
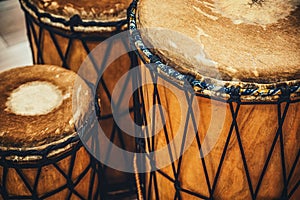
252 142
41 155
246 137
65 32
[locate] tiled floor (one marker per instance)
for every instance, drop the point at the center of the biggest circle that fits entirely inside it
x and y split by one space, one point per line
15 50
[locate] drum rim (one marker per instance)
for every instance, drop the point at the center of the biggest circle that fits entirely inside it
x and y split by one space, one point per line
48 150
207 86
39 152
75 23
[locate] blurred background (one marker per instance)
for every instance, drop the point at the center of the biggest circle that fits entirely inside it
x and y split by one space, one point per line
15 49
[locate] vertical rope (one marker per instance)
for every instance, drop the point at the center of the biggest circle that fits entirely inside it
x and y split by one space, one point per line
29 35
3 190
39 56
137 179
281 141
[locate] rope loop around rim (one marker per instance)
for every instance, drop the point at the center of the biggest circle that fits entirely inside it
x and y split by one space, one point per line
44 153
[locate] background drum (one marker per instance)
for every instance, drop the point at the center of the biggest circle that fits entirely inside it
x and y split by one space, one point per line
64 33
41 156
242 61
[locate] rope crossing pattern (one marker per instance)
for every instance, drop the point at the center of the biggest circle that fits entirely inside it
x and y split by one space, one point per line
45 162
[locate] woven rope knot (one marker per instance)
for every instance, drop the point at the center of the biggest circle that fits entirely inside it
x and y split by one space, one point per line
75 20
177 185
235 95
285 93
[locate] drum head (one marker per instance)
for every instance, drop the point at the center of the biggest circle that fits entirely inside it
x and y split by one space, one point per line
36 106
240 41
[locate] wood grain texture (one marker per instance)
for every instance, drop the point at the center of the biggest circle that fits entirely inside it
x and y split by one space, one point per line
257 125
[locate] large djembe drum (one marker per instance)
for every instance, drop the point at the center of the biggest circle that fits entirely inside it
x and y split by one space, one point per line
228 72
41 155
65 32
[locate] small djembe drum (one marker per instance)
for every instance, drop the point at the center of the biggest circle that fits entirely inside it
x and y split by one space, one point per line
41 155
229 73
65 32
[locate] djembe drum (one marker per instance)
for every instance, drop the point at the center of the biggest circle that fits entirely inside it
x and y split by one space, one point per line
41 155
65 32
241 60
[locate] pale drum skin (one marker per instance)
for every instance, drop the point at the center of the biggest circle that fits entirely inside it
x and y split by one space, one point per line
243 50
